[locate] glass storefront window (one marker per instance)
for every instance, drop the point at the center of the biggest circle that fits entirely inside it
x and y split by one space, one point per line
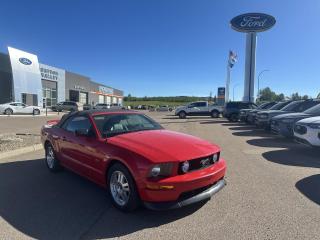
50 96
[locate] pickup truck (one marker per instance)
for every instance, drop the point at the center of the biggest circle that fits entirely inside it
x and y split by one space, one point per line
202 108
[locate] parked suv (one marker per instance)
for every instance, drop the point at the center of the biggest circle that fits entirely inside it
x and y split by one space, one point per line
284 124
307 131
264 117
102 106
202 108
232 109
65 106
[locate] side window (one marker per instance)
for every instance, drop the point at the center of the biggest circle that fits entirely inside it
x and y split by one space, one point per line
76 123
13 104
201 104
307 105
192 105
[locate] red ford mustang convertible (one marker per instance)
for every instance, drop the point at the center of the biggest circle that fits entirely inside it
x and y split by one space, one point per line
136 159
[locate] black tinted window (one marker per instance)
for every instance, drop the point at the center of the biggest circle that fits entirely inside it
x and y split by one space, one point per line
306 105
77 123
201 104
232 105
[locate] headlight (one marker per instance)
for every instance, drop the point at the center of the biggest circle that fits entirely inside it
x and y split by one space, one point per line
164 169
288 120
314 125
215 157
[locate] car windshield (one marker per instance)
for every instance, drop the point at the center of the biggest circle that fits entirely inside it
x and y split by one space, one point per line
314 110
291 106
263 105
110 125
278 106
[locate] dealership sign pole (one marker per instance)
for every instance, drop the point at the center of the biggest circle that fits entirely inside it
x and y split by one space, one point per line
231 61
251 23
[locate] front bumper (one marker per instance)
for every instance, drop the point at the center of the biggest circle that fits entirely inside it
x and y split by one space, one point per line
284 129
153 191
251 118
202 196
310 138
263 123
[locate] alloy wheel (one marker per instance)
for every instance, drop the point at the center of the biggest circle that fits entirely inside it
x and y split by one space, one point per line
119 187
50 157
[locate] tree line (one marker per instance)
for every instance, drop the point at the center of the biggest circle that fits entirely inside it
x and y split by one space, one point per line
265 95
130 98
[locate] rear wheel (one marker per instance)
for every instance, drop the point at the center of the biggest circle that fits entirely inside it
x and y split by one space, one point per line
215 114
8 111
36 112
182 114
122 188
51 160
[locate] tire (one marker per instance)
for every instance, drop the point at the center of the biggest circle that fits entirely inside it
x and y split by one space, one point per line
234 117
122 190
50 158
8 111
36 112
215 114
182 114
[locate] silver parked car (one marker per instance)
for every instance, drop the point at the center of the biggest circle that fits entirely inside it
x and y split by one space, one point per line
19 108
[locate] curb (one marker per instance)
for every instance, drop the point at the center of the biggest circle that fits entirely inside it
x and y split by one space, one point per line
20 151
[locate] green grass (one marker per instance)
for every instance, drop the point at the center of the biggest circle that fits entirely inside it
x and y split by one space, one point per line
153 103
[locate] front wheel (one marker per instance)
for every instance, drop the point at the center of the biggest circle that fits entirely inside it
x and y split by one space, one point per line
234 117
8 111
51 160
122 189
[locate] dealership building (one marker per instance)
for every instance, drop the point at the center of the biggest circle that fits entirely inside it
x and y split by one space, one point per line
24 79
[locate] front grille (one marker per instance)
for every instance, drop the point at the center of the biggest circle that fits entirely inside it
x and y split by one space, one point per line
199 163
300 129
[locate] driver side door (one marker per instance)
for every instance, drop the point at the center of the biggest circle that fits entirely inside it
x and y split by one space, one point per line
82 152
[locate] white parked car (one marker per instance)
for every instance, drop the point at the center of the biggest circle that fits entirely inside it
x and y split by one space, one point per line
19 108
307 131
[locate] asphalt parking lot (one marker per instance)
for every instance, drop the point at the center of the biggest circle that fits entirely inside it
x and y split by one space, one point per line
273 192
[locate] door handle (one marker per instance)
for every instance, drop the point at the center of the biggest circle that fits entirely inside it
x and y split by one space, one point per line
64 139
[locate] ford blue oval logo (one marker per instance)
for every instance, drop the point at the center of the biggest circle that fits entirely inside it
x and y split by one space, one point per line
253 22
25 61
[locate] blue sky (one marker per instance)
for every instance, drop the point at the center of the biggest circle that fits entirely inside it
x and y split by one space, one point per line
167 47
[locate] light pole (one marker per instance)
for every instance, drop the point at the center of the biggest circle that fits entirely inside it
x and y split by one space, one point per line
236 85
265 70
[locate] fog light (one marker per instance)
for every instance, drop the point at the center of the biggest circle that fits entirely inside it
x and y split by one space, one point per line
185 167
155 171
215 157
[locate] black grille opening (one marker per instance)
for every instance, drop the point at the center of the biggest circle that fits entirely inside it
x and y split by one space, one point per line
199 163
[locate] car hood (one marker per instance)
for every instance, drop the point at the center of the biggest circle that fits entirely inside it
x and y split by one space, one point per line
310 120
164 146
292 116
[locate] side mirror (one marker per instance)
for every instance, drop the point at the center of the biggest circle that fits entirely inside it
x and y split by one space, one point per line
82 132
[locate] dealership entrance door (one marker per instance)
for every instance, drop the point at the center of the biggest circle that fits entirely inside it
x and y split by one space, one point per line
30 99
83 97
